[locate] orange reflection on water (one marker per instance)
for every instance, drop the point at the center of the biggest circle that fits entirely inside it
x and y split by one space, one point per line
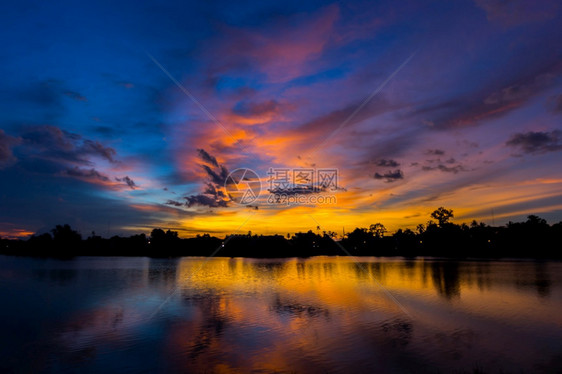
316 314
328 314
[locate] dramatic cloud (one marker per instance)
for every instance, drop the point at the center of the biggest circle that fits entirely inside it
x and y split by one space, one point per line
213 195
207 157
204 200
87 174
95 148
51 142
536 142
282 80
211 189
292 191
174 203
387 163
128 181
199 200
282 51
446 169
253 113
217 177
52 150
256 109
390 176
500 96
322 126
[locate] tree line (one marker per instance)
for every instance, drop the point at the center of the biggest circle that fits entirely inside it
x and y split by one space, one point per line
533 238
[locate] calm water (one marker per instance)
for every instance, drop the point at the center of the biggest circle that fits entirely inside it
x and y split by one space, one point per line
324 314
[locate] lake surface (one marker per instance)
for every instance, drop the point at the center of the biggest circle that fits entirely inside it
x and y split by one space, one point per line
317 315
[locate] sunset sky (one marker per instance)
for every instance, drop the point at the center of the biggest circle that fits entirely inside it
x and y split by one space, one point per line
119 118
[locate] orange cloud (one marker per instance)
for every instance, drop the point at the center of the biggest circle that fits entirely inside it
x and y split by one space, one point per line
16 233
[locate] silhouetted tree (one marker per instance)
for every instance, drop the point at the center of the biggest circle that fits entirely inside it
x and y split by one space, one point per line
65 234
165 243
43 239
359 240
442 215
308 241
157 235
66 241
531 238
536 221
377 229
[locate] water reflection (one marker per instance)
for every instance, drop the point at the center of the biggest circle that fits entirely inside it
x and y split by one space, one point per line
446 280
540 282
59 277
294 309
162 272
320 314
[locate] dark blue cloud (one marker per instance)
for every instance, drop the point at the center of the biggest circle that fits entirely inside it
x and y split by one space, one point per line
536 142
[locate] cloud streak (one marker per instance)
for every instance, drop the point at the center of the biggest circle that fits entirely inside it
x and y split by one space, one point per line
213 195
390 176
536 142
387 163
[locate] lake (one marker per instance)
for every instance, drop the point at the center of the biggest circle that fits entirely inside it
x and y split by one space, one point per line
316 315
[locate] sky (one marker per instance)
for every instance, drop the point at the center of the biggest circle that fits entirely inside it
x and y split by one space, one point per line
120 117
